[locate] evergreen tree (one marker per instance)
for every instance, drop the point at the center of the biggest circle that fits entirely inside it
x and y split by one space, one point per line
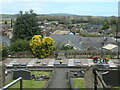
26 26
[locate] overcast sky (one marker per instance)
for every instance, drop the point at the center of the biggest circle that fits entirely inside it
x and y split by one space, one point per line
79 7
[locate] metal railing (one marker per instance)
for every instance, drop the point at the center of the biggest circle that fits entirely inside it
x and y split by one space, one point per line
15 81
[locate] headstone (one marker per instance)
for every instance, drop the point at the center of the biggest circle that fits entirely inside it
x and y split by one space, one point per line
25 74
77 61
16 64
56 64
23 64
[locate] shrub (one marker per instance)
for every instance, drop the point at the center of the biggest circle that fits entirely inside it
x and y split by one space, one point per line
19 45
41 47
3 52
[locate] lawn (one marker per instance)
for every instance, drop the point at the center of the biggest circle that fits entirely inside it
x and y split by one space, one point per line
78 82
41 73
32 83
116 88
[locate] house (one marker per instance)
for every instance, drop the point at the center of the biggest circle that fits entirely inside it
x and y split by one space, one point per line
61 32
110 47
5 40
63 40
81 43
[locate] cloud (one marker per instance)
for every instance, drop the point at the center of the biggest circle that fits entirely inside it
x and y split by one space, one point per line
59 1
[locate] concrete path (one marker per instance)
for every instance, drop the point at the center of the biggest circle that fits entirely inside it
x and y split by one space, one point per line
60 79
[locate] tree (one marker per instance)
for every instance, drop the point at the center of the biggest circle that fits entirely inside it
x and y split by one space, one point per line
41 47
26 26
105 26
19 45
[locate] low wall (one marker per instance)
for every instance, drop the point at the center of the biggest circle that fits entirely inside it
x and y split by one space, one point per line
8 78
50 79
70 81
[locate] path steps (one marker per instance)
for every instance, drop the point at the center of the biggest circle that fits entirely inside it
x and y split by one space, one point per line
60 79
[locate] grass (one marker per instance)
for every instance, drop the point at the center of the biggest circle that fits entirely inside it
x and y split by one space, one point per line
41 73
116 88
78 82
31 83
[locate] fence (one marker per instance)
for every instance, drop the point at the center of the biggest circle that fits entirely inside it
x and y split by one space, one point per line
68 54
87 54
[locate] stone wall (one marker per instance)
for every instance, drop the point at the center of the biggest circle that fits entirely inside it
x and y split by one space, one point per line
90 78
2 74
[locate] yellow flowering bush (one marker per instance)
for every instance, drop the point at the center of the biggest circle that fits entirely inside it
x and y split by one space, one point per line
41 47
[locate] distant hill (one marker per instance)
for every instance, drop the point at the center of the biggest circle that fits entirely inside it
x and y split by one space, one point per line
62 14
7 16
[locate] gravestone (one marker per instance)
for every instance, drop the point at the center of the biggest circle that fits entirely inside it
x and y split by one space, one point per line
25 74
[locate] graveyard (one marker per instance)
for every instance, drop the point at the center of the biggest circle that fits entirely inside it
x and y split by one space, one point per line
71 73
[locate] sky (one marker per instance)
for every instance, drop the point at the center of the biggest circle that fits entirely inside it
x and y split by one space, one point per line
78 7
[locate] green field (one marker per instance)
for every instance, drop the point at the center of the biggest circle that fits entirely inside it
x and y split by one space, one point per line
78 82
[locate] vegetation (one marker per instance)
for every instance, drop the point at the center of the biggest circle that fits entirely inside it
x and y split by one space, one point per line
20 45
41 73
41 47
26 26
78 82
30 84
3 52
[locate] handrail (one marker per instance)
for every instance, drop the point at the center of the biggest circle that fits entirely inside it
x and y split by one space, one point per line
10 84
103 83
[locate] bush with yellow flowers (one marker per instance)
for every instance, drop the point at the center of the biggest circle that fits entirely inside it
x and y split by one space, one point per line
41 47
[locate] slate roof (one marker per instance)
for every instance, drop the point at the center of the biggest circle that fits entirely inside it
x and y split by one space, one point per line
5 40
81 42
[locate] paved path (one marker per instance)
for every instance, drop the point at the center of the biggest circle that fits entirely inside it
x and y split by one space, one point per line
60 79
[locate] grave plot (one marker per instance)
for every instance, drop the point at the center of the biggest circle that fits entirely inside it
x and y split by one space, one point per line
77 62
33 79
